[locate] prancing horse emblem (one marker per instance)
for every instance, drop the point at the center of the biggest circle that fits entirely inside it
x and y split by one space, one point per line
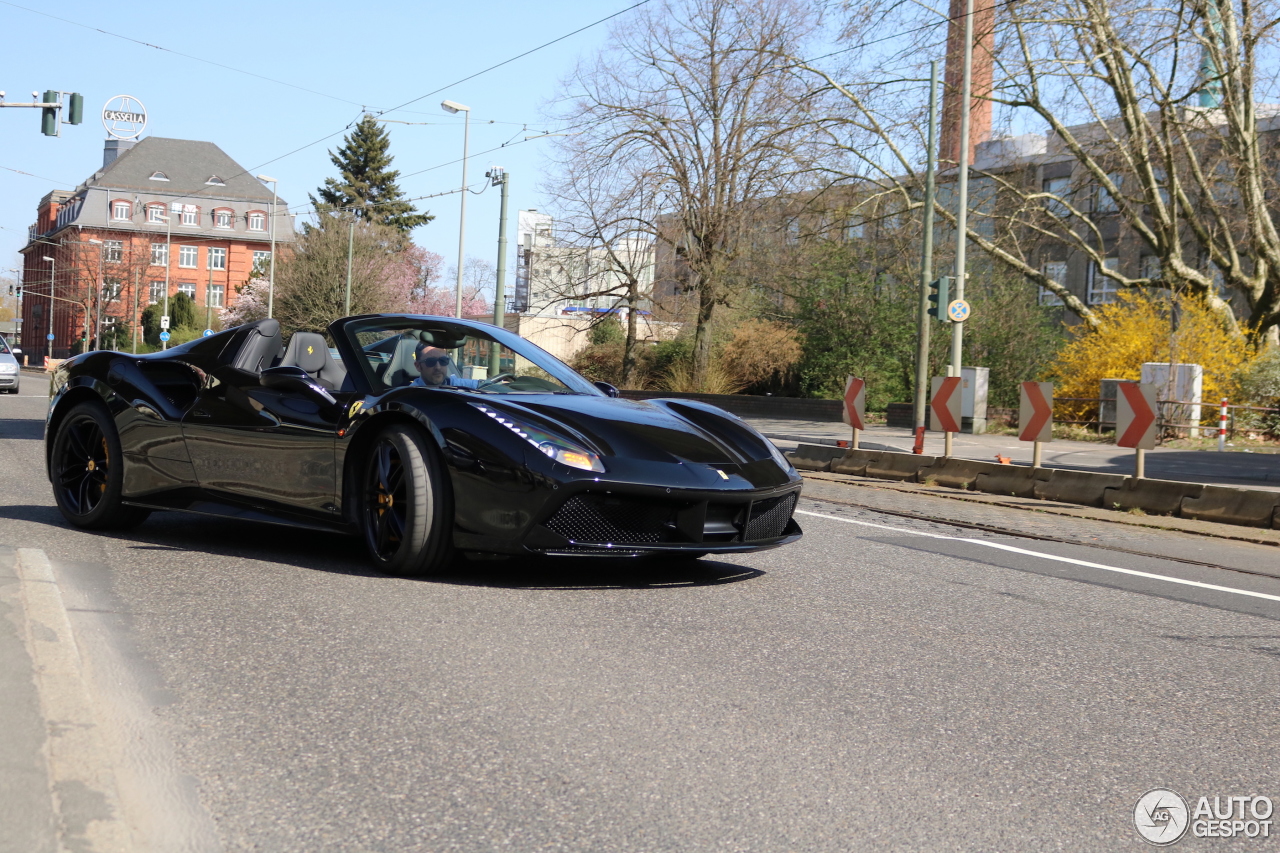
311 350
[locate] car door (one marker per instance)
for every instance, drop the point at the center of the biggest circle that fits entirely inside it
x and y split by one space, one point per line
270 448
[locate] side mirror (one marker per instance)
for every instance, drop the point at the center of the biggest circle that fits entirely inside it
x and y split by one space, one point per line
608 389
293 379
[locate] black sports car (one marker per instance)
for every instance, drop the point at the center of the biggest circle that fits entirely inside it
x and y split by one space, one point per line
426 435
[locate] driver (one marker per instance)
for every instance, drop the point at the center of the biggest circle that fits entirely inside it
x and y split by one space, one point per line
433 367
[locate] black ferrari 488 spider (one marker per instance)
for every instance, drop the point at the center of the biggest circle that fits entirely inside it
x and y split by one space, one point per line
427 436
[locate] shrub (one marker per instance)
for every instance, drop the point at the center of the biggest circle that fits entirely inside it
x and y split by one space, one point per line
760 355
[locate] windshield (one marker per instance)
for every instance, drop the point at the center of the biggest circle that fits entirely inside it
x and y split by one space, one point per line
399 351
4 346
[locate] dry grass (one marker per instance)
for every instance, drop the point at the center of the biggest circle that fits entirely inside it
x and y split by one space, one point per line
679 378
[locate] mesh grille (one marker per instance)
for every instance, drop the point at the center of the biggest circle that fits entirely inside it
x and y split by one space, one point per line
597 518
769 518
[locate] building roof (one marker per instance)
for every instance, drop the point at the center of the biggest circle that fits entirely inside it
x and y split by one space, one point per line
187 163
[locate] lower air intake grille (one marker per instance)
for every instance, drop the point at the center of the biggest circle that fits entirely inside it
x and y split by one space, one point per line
769 518
599 518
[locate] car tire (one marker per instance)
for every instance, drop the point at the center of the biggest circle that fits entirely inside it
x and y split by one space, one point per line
88 471
406 508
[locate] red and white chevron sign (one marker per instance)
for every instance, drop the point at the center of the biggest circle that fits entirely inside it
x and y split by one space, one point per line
1136 415
1035 412
944 404
855 402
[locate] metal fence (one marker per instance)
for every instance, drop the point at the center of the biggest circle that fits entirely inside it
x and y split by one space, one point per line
1173 416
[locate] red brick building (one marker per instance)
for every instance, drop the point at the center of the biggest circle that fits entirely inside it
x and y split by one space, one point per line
164 213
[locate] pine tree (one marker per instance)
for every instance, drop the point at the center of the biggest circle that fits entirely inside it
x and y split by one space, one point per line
368 183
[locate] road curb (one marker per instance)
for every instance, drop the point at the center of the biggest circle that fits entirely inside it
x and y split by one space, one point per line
81 775
1197 501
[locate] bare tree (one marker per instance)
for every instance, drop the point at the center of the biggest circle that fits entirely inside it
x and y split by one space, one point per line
698 96
607 225
1155 106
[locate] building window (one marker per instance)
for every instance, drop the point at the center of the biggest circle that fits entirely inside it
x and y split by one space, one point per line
121 210
113 251
159 176
215 181
159 255
853 228
257 221
261 261
1106 203
155 213
217 259
156 292
1060 188
1055 271
1102 290
1151 267
188 256
188 288
111 289
216 294
222 219
190 215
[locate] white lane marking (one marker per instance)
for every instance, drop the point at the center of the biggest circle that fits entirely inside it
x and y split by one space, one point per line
1053 557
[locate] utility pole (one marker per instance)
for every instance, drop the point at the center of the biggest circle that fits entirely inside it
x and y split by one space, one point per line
962 177
926 268
351 245
499 177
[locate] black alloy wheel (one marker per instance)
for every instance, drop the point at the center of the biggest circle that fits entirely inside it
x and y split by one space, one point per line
88 473
406 510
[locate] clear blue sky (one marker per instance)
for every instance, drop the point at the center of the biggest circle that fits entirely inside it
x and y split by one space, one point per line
379 54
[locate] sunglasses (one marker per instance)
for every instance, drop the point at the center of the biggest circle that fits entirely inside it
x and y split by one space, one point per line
432 362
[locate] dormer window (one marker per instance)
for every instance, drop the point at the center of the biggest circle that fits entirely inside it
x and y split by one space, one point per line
215 181
121 210
159 176
257 221
155 213
222 218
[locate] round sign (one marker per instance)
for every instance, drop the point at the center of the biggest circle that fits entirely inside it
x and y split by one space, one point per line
124 117
208 332
164 336
958 311
49 336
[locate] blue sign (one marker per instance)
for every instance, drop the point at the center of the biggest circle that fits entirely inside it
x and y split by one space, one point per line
164 336
208 332
49 336
958 311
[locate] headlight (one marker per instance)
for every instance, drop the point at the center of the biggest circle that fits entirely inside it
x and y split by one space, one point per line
8 368
553 446
779 457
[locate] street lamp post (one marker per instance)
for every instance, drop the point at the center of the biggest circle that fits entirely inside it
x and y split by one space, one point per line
455 107
271 283
53 270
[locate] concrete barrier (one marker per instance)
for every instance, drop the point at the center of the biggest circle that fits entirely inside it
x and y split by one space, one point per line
855 462
1158 497
1086 488
1015 480
1246 507
956 473
898 466
814 457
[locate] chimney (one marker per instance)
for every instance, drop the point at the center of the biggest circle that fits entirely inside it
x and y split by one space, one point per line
114 148
984 18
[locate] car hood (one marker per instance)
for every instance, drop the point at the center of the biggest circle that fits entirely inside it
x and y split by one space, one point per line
655 430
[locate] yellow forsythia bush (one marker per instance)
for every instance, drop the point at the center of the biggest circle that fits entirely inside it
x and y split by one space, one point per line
1138 328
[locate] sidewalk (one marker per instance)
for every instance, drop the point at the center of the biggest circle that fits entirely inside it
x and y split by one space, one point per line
1249 470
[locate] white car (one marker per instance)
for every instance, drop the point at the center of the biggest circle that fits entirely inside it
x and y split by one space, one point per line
8 367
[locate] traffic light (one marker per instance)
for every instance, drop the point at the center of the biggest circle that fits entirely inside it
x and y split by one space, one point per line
75 108
940 296
49 115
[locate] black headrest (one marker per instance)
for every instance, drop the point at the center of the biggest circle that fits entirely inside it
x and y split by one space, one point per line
308 351
261 346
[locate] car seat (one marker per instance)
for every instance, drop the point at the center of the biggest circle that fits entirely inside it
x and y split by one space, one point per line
261 348
309 352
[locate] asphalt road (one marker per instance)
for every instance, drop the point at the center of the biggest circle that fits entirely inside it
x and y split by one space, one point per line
886 684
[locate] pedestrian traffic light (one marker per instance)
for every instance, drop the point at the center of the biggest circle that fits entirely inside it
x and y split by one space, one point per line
49 115
75 108
939 296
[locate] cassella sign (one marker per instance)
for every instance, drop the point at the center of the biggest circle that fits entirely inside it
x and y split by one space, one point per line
124 117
